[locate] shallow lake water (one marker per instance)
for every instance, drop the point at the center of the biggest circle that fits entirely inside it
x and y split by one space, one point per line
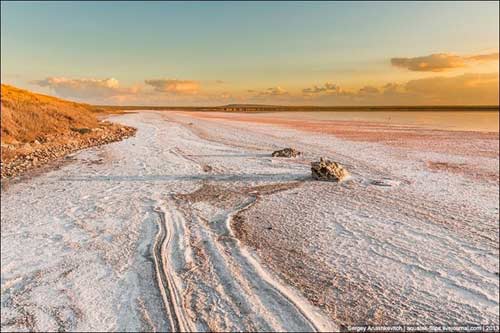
483 121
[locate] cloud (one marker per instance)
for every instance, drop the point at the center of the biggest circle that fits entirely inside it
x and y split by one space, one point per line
326 88
440 61
392 87
484 57
275 94
84 88
431 63
274 91
463 89
175 87
225 95
466 89
368 90
109 91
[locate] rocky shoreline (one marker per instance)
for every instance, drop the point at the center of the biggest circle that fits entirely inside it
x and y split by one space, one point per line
17 159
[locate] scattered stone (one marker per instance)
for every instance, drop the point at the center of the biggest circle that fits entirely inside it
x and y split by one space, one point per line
328 170
384 182
287 152
27 156
81 130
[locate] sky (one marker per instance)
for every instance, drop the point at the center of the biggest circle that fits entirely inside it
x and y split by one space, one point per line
216 53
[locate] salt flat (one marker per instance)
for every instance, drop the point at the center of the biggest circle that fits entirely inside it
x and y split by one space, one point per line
191 225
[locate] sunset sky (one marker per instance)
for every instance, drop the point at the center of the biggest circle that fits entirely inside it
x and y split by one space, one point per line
298 53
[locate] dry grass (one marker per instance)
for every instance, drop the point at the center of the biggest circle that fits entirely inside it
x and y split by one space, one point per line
37 129
27 116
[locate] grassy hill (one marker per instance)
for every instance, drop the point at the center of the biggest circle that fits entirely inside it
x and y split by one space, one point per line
37 129
27 116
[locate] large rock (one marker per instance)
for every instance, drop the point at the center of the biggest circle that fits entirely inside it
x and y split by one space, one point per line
328 170
287 152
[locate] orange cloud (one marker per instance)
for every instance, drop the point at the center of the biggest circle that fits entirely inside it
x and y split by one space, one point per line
466 89
462 89
368 90
84 88
181 87
326 88
274 91
440 61
484 57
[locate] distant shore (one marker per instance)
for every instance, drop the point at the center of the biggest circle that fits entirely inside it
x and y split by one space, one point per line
274 108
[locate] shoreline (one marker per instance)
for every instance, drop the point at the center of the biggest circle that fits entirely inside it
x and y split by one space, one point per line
26 158
461 144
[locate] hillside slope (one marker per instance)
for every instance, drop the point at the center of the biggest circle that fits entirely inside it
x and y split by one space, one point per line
36 129
27 116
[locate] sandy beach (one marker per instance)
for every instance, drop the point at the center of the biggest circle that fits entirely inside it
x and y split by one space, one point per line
192 225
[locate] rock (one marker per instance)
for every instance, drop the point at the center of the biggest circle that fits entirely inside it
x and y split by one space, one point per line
82 130
328 170
38 153
287 152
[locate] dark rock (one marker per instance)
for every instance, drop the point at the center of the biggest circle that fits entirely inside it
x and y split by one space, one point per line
287 152
81 130
328 170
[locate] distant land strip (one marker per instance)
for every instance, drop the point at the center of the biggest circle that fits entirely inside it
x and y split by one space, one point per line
274 108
